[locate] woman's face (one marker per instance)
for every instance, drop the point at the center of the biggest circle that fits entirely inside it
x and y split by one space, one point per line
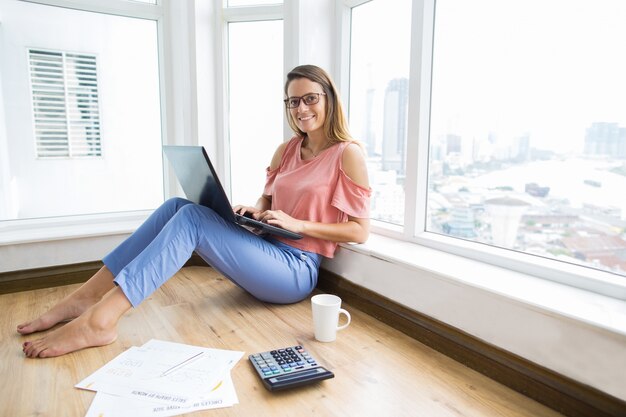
309 118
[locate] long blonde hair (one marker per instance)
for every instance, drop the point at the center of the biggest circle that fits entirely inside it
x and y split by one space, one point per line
335 124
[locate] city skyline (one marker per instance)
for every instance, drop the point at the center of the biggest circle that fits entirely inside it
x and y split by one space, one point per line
472 197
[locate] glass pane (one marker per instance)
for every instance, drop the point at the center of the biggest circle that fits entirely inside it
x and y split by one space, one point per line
528 129
255 53
126 172
235 3
379 92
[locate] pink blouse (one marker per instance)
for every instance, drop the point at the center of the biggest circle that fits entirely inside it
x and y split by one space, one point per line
317 190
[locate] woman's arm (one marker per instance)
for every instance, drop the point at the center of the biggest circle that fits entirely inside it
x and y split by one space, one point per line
354 230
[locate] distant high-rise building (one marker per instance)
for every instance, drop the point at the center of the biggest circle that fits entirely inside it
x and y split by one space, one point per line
522 145
369 138
395 125
606 139
437 150
453 144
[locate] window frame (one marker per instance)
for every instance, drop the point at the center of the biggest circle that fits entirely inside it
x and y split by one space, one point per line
124 8
157 12
414 228
228 15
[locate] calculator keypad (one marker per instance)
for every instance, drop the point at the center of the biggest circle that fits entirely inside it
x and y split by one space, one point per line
288 368
282 361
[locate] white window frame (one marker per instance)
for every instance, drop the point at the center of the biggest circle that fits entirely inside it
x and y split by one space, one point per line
23 231
124 8
235 14
414 229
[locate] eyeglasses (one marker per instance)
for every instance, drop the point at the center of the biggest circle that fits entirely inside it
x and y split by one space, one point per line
309 100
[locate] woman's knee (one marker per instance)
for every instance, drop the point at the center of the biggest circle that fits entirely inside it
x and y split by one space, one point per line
173 205
177 202
198 213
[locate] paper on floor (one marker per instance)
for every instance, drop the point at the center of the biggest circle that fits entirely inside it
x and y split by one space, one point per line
163 379
107 405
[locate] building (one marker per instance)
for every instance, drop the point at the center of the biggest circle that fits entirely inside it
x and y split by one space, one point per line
461 223
505 214
607 139
609 249
394 126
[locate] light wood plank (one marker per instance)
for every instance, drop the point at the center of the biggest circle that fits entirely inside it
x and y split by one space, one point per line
378 370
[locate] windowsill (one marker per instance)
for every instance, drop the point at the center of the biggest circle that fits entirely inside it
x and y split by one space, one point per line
539 294
16 232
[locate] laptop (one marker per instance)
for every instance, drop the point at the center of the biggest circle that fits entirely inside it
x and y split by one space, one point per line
199 181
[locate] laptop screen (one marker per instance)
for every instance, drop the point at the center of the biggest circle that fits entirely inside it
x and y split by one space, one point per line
198 178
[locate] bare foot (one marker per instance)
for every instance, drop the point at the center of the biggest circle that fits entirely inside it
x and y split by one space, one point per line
97 326
67 309
76 335
74 304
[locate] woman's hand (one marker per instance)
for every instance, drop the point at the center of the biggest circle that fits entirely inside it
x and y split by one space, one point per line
263 203
281 219
242 210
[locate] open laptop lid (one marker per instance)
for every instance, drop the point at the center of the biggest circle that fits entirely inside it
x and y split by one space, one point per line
201 185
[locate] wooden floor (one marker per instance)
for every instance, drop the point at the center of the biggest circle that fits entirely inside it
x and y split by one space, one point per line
378 370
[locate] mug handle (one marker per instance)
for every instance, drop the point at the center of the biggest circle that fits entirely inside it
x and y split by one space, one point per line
341 310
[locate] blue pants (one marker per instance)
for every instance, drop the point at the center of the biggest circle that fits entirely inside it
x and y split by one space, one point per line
268 269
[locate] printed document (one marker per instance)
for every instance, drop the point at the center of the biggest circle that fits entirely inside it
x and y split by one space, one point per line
163 379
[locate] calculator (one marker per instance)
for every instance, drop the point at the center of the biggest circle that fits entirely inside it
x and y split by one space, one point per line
288 368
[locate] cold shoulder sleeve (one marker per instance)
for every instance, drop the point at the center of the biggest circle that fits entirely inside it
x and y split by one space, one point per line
351 198
270 176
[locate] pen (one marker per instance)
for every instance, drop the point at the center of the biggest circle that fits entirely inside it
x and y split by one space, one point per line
175 367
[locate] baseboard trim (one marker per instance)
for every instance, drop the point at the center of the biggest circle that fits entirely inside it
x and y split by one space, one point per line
47 277
54 276
556 391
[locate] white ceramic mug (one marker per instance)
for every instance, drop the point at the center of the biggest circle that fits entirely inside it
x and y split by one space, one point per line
326 310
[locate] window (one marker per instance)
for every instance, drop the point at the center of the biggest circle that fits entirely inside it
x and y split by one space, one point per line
507 142
81 106
528 129
256 109
379 92
65 104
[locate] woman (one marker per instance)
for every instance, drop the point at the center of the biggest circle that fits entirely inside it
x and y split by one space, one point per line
316 185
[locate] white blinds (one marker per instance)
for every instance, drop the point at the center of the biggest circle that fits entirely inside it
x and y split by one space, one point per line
65 104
